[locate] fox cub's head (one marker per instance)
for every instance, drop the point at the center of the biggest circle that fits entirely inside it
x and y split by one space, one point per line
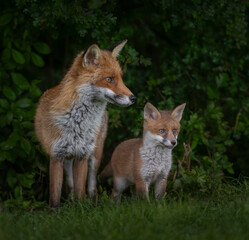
162 127
101 69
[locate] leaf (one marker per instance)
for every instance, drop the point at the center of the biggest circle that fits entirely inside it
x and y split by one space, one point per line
24 103
194 142
177 184
5 156
42 48
4 103
25 145
37 60
35 91
9 117
3 121
230 170
11 177
13 139
222 80
26 204
9 93
42 166
28 125
212 93
20 80
5 19
18 57
94 4
26 179
18 192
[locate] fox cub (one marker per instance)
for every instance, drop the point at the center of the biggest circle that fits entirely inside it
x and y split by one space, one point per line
146 160
71 118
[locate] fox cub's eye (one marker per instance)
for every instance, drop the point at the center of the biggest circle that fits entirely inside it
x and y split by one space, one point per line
161 130
109 79
174 131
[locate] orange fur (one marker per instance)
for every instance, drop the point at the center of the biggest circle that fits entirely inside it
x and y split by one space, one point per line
89 67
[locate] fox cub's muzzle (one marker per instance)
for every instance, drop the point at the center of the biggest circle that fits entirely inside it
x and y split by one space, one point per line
169 143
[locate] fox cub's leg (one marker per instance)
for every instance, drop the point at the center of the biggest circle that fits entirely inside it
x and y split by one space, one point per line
79 177
120 184
68 167
142 189
160 187
55 183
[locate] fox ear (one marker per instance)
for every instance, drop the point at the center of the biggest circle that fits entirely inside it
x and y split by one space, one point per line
91 56
151 113
177 112
117 48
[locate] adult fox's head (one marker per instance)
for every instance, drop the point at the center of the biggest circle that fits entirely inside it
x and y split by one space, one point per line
101 69
162 127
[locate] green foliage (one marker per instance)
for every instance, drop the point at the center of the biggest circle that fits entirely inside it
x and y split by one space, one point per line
178 51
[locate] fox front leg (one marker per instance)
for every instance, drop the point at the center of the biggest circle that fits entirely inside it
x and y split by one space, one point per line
92 179
79 178
68 167
142 189
160 187
95 159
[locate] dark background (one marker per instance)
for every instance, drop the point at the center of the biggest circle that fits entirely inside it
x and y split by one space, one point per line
178 51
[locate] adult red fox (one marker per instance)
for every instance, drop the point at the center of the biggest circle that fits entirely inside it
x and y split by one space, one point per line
71 121
146 160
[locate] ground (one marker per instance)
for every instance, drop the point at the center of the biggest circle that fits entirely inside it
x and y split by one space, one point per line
216 216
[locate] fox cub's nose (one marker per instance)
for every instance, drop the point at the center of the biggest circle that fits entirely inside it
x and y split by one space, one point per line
173 143
132 98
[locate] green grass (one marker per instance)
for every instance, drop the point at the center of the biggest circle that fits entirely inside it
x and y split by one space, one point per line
222 215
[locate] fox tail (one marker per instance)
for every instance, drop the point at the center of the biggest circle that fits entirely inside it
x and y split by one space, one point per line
106 173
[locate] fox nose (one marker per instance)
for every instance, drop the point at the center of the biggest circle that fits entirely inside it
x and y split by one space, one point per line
132 98
173 143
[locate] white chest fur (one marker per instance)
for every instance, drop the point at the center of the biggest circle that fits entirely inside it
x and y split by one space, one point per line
157 162
79 126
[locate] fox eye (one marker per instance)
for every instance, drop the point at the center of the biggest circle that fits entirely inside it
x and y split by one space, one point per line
174 131
109 79
161 131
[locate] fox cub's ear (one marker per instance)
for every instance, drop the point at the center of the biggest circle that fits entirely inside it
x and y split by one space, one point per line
177 112
117 48
151 113
91 56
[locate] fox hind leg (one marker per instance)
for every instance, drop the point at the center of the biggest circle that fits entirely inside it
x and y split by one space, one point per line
120 184
55 182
